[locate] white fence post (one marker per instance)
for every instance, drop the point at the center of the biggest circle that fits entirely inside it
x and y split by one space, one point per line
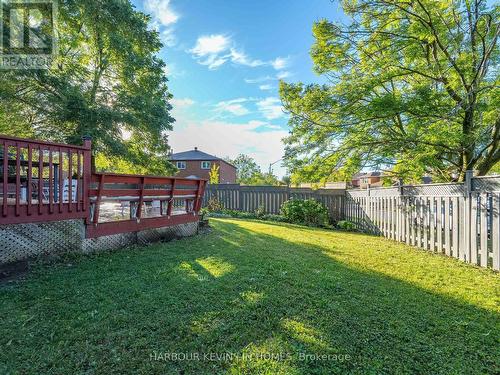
467 217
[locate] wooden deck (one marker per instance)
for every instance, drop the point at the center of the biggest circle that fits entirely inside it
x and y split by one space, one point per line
43 181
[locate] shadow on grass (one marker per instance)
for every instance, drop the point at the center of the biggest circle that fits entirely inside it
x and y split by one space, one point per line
237 291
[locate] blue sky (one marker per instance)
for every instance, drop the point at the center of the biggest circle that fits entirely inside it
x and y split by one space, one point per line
224 61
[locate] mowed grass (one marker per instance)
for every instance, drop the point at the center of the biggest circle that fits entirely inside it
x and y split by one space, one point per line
254 298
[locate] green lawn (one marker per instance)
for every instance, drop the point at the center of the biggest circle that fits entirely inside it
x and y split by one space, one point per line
248 291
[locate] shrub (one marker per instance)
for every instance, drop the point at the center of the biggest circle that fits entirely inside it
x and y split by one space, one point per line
308 212
244 215
213 204
271 217
203 212
260 211
346 225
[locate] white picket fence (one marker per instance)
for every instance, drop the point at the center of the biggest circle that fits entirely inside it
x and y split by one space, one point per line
458 220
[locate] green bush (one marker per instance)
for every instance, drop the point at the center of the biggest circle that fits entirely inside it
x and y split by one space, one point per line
245 215
305 211
346 225
213 204
260 211
271 217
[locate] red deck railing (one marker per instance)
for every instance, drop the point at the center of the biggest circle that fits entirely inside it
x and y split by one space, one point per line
42 181
126 203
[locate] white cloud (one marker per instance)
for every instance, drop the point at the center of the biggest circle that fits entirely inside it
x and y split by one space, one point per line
161 12
280 62
241 58
279 75
211 44
168 38
208 49
215 50
172 71
259 79
230 139
270 108
274 127
233 106
182 102
163 17
265 87
283 75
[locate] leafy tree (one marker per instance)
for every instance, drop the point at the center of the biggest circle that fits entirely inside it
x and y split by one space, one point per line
413 87
286 180
249 173
262 179
105 82
246 167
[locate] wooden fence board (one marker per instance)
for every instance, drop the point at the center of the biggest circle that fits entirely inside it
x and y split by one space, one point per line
439 224
447 218
432 222
495 231
455 227
484 229
425 214
447 245
473 231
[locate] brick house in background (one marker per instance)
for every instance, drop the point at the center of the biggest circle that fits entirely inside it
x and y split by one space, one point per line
197 164
362 180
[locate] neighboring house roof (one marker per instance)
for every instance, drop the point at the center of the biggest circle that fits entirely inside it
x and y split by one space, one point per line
195 155
427 180
367 174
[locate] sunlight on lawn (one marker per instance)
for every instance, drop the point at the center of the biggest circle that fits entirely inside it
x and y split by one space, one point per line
215 266
266 357
429 271
188 270
252 297
301 332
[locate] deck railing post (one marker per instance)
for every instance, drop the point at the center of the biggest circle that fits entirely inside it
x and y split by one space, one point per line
30 176
171 200
197 198
18 178
87 166
97 206
141 200
40 179
5 176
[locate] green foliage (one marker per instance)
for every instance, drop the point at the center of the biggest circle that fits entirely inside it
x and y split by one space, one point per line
346 225
262 179
246 167
213 204
223 213
249 173
105 82
308 212
496 168
413 88
260 211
